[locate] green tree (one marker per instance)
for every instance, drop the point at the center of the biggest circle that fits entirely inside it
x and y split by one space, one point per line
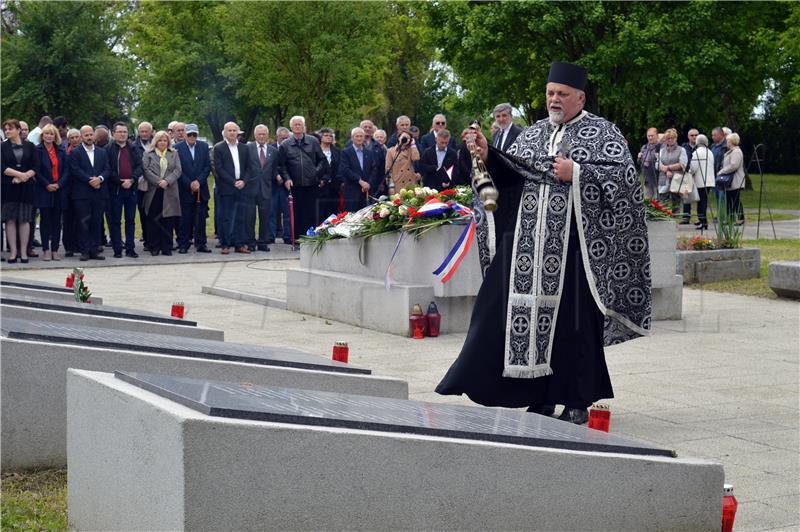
649 62
61 58
182 56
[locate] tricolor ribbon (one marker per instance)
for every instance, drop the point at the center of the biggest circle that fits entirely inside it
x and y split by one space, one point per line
448 267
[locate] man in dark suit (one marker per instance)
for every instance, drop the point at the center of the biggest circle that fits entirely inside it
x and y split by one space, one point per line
429 140
508 131
89 171
263 168
358 171
233 176
125 166
193 189
438 162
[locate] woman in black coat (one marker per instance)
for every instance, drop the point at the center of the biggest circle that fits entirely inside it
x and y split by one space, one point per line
51 191
19 165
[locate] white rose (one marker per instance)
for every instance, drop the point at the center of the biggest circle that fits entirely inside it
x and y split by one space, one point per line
403 210
419 192
383 213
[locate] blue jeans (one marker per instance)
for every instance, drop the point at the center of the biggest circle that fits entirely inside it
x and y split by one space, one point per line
280 202
124 202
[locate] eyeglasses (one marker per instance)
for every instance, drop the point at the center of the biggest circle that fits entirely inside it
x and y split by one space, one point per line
440 123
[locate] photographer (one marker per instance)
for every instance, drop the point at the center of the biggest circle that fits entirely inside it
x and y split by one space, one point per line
400 161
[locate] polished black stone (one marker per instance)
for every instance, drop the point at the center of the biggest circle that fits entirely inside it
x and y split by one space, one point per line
80 335
34 285
309 407
91 310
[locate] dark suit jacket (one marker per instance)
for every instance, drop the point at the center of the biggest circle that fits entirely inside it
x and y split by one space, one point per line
81 171
44 177
350 172
21 192
264 177
428 140
510 138
226 172
433 177
196 169
333 183
114 184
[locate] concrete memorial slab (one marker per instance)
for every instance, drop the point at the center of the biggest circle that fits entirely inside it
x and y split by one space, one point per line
295 459
73 306
36 285
38 293
35 356
137 324
784 278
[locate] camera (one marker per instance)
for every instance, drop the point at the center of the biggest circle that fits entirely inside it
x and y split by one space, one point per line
404 139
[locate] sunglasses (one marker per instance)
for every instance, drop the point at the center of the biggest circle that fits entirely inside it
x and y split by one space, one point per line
441 123
191 134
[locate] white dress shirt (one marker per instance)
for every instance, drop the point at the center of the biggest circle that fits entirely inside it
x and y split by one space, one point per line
234 148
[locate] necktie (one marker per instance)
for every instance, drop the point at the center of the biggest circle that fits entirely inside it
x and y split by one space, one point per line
499 141
262 156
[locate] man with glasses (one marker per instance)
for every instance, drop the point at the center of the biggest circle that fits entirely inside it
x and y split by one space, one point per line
429 140
193 189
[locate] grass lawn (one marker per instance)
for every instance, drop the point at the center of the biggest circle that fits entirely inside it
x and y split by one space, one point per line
771 250
782 192
34 500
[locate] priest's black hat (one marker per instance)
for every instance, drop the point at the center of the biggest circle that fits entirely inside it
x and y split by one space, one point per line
568 74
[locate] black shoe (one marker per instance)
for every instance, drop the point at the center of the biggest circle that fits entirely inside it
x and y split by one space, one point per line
97 256
132 254
263 248
69 254
702 227
251 248
13 261
117 254
544 410
579 416
183 251
23 261
155 252
167 253
36 244
84 257
203 250
271 241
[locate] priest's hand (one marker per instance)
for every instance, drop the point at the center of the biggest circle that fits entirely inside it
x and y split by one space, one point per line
480 141
563 169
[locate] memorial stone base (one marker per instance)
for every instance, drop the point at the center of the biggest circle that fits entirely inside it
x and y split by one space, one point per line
141 461
667 287
34 395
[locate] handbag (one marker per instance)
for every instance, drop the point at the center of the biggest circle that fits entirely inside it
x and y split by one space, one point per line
724 181
677 181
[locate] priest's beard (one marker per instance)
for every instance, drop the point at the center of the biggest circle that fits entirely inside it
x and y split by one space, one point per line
556 117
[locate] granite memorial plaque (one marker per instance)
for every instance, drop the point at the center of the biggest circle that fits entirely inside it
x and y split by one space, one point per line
21 283
308 407
47 331
92 310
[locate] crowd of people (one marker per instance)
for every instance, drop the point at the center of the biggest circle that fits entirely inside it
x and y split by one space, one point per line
692 172
73 180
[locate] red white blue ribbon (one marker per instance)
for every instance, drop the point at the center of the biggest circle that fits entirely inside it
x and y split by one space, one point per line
451 262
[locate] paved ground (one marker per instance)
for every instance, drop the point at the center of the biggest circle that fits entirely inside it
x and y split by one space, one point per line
722 383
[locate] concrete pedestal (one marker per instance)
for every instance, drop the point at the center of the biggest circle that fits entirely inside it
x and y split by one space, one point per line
784 278
138 461
713 265
43 294
33 386
334 283
667 287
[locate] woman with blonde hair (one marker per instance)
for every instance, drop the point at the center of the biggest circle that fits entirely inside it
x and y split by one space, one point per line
733 164
50 196
162 168
672 159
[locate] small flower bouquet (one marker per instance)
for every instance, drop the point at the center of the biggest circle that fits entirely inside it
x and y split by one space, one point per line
80 288
696 243
656 212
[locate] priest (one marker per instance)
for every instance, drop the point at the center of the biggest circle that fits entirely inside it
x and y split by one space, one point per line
569 265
